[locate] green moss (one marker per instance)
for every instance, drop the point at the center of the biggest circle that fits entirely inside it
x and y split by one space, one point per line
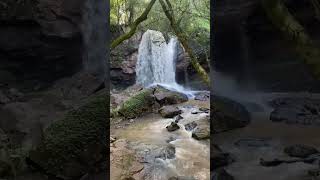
70 140
138 104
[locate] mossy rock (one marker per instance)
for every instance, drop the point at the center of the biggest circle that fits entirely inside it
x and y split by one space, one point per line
76 144
228 114
137 105
149 100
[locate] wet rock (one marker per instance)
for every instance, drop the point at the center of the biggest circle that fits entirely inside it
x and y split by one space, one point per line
300 150
202 96
112 139
303 111
171 139
190 126
203 109
173 127
168 152
169 111
167 97
195 112
228 114
253 142
221 174
219 158
202 131
178 118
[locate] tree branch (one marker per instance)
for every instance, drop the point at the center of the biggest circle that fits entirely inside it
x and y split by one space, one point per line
134 26
167 8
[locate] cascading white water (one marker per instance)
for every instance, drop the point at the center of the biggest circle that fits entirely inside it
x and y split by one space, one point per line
157 62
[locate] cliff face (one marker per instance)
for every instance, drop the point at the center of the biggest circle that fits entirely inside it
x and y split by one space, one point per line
43 40
252 50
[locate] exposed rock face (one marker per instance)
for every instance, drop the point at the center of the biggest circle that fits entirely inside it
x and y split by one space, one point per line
243 28
75 145
42 41
228 114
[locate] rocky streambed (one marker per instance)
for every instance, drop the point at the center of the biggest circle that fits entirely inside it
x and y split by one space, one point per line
281 140
169 142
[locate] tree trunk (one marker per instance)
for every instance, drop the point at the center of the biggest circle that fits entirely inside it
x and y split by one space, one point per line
282 19
133 27
167 8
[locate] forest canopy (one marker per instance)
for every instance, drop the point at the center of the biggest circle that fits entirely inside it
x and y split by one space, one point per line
191 23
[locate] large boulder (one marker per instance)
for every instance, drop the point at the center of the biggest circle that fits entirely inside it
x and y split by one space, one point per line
149 100
76 144
167 97
228 114
169 111
138 105
202 130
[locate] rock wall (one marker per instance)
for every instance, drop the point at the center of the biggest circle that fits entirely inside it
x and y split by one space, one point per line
42 41
247 45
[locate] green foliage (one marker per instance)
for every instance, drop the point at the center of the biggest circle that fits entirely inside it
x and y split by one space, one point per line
193 17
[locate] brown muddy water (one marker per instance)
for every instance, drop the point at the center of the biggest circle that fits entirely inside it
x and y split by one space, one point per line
192 157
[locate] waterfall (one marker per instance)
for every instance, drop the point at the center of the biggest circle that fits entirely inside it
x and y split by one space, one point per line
157 62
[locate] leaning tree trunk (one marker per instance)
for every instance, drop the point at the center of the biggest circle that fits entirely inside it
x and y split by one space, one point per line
167 8
282 19
134 26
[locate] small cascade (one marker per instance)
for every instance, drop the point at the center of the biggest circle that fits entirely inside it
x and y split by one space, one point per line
157 62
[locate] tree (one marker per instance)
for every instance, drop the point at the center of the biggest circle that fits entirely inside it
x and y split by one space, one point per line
133 26
282 19
168 10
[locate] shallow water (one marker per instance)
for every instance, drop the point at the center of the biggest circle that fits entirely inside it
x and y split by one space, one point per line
192 156
278 136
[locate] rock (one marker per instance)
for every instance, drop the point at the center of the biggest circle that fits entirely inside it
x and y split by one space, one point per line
190 126
73 146
202 131
221 174
253 142
173 126
303 111
3 98
218 157
171 139
168 152
301 151
203 109
149 100
169 111
167 97
194 112
178 118
228 114
112 139
137 105
202 96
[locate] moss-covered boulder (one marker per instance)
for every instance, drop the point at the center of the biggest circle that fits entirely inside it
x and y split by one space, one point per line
149 100
77 144
228 114
137 105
